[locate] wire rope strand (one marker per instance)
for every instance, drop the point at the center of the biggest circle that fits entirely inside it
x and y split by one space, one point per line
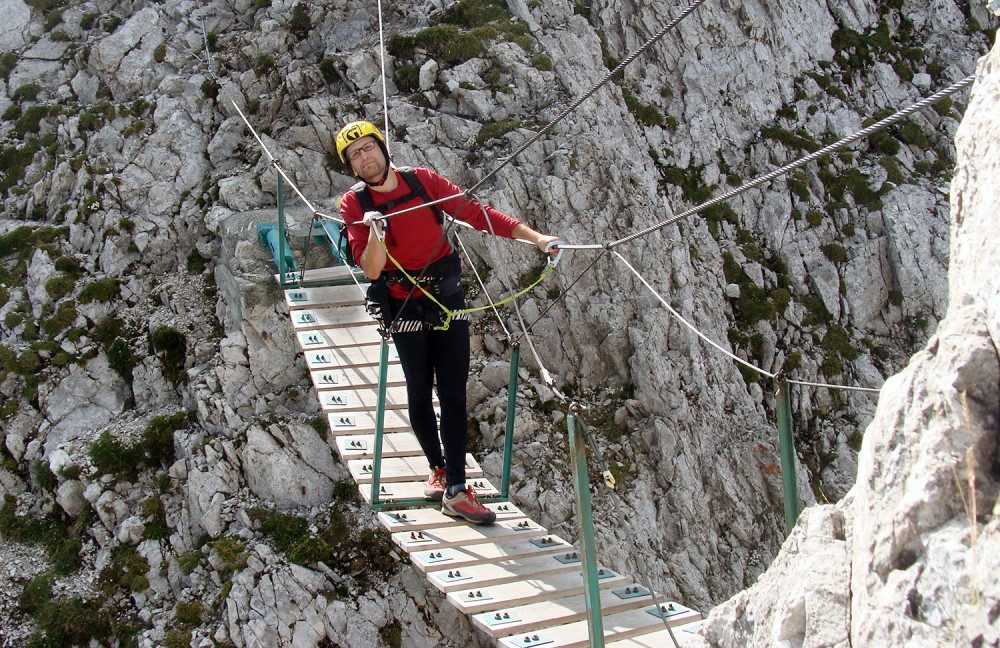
683 321
806 383
385 95
826 150
607 78
565 292
479 280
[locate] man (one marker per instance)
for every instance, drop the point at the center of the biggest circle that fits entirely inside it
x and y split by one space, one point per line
417 241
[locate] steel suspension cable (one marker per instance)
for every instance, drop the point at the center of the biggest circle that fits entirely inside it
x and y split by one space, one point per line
826 150
385 94
717 346
607 79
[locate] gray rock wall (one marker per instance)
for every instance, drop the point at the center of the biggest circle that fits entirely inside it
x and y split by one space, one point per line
903 559
156 298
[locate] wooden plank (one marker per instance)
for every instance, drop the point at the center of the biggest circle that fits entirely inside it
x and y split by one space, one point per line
488 552
362 446
352 423
526 618
365 355
403 469
332 273
619 625
465 534
315 319
324 297
321 341
357 377
533 590
415 490
432 518
363 399
507 571
684 634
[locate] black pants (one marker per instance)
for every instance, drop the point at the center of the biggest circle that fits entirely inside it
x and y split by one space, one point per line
442 356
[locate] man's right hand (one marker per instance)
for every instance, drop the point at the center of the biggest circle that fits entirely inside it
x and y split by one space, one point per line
379 221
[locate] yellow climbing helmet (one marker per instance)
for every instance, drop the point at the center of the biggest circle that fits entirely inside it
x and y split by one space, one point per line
355 131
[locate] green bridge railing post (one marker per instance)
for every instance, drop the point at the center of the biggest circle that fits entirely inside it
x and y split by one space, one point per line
588 553
383 371
787 441
281 230
508 440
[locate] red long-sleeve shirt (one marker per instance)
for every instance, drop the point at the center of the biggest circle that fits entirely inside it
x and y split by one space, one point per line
414 238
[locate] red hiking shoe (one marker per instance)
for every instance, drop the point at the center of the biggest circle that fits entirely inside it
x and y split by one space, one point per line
465 505
435 484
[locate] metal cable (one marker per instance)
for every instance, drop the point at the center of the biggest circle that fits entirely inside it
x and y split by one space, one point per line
826 150
683 321
385 95
607 78
806 383
720 348
479 279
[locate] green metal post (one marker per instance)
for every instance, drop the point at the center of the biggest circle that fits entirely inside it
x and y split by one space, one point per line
787 441
383 368
588 553
281 230
508 440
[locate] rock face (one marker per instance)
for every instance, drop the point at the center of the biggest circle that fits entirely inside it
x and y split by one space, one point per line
903 559
155 407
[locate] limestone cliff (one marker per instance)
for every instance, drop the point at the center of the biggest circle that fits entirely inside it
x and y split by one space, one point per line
905 558
159 434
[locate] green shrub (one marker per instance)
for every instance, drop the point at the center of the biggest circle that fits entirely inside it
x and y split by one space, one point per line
196 263
160 53
13 161
121 358
210 88
189 614
87 20
328 68
69 266
127 569
30 120
61 320
644 113
170 346
392 634
189 561
543 62
27 92
112 457
912 134
299 24
835 252
156 518
407 77
37 592
134 128
232 553
495 129
177 638
102 290
59 286
8 61
60 540
44 476
71 622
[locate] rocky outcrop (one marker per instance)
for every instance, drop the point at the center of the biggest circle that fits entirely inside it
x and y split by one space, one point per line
142 291
902 559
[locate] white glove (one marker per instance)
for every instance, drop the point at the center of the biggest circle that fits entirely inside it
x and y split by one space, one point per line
379 221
